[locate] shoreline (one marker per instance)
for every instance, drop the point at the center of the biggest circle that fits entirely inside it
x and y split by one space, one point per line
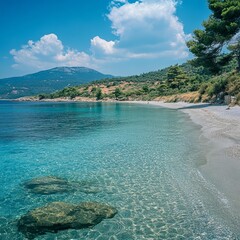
220 129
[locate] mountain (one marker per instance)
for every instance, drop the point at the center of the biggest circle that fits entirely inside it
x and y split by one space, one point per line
47 81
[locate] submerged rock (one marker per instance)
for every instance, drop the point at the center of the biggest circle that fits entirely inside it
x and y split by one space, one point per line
52 185
89 189
48 185
60 216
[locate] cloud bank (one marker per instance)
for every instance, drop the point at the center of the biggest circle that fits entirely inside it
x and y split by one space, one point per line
147 35
46 53
148 29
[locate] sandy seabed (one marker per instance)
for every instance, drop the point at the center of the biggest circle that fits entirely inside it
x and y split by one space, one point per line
220 127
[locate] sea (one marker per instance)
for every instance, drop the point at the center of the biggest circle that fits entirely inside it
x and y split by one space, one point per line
143 160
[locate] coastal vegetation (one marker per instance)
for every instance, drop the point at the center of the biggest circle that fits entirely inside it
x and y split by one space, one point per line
220 32
179 82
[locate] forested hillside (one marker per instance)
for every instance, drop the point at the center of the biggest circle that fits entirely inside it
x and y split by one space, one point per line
173 81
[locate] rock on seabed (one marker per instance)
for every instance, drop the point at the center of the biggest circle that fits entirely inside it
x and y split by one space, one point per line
57 216
52 185
48 185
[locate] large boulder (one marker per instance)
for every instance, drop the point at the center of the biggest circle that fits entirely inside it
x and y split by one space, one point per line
57 216
48 185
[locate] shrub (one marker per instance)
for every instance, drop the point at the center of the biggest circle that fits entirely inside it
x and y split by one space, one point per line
99 94
41 96
203 88
145 88
117 93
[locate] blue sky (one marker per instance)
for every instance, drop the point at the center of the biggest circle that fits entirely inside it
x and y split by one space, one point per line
119 37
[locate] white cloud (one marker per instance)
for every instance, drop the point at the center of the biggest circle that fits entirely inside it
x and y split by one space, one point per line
99 45
148 28
46 53
117 3
148 36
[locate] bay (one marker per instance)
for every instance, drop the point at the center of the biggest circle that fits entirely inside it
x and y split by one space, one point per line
142 159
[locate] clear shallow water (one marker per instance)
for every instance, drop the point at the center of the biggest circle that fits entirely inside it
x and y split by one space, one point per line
142 159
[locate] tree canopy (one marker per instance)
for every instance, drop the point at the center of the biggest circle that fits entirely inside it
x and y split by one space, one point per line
221 32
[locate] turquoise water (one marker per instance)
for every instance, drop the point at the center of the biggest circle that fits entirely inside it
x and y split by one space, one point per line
142 159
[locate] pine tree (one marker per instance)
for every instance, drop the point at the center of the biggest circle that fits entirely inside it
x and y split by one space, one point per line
221 30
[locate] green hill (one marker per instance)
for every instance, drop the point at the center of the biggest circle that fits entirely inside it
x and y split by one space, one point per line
47 81
179 82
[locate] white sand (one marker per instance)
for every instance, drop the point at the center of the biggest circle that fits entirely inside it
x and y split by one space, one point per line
221 131
221 128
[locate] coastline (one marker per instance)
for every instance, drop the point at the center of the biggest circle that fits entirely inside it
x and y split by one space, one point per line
173 197
221 133
220 129
62 99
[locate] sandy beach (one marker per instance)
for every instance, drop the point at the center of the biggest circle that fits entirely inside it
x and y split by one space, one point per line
221 129
221 132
